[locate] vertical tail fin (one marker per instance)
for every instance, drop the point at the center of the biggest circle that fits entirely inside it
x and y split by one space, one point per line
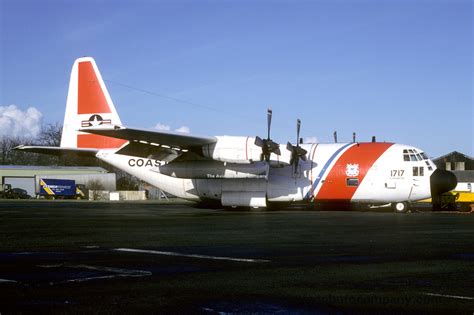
88 104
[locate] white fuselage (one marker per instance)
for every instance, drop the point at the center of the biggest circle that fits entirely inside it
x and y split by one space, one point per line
345 172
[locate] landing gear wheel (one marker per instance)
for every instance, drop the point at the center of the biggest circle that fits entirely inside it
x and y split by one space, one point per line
400 207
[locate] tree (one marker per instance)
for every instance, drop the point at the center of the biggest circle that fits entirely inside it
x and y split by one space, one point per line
50 135
10 156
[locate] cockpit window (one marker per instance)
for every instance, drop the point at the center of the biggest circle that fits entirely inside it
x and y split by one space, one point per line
414 155
406 156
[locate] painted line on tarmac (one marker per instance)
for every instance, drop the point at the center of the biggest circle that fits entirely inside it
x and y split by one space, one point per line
157 252
459 297
118 272
6 280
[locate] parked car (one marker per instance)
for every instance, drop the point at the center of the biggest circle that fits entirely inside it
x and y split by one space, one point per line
18 193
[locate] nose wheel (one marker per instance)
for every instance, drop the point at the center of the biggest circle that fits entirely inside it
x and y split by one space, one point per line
400 207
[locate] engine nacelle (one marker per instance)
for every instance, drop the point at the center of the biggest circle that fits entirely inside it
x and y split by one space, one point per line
214 169
233 150
241 150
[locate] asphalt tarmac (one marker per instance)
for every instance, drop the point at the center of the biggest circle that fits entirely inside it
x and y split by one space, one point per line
94 257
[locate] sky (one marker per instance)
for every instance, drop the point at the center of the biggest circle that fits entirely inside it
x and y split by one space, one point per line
399 70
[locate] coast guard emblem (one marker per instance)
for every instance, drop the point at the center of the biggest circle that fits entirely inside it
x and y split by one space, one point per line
352 170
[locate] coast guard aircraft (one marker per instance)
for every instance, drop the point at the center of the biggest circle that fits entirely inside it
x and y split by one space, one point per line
242 171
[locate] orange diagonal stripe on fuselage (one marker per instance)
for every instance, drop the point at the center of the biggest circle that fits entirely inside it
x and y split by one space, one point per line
335 186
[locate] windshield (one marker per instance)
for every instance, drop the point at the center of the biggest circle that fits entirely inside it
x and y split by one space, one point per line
414 155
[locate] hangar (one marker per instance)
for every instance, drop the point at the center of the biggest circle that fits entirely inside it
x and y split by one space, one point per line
455 161
461 165
26 177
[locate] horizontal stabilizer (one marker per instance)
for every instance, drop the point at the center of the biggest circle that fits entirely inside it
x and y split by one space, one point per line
58 150
153 137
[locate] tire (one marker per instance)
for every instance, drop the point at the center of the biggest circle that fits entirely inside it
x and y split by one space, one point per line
400 207
465 207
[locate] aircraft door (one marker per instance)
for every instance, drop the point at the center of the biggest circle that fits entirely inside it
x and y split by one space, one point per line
417 190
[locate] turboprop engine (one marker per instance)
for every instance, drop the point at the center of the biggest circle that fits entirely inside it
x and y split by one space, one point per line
233 150
241 150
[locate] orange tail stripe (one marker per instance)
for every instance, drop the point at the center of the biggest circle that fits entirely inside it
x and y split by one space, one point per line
98 142
91 98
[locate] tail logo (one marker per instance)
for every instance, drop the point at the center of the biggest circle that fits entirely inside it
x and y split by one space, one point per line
95 120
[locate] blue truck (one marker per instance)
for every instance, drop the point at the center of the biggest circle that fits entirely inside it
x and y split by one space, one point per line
57 188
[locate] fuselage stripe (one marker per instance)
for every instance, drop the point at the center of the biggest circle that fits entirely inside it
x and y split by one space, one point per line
313 150
323 171
352 165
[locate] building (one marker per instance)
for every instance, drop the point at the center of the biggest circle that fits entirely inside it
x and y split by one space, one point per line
455 161
462 166
27 177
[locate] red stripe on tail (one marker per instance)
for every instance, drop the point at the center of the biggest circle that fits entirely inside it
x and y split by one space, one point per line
91 98
98 142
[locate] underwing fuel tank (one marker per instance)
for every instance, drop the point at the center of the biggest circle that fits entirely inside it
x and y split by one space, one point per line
213 169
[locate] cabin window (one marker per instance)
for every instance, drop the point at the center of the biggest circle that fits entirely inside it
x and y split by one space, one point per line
352 181
428 165
418 171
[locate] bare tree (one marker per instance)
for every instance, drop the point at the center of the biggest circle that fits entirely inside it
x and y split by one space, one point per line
10 156
96 189
50 135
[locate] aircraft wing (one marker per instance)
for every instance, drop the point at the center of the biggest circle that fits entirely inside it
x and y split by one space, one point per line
163 145
152 137
57 150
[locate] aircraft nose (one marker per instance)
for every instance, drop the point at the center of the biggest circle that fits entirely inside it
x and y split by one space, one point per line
442 181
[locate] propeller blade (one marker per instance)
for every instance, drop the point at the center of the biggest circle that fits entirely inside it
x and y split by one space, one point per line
297 152
277 151
298 127
269 122
296 165
300 151
289 146
268 145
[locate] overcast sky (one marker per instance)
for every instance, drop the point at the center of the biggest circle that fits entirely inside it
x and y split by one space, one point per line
398 69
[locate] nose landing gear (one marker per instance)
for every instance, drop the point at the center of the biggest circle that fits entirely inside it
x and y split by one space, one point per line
400 207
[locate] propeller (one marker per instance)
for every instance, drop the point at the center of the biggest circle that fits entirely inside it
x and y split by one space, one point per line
297 152
268 145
